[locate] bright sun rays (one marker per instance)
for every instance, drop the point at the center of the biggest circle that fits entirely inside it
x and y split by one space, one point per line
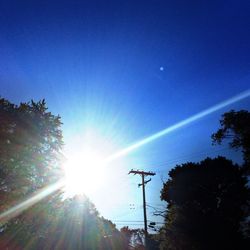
87 170
84 172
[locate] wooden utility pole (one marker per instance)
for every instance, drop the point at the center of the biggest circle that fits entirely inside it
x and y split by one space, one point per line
143 174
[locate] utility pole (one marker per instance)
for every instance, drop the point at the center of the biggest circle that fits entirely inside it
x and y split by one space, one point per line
143 174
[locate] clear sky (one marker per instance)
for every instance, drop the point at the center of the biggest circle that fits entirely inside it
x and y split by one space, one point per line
118 71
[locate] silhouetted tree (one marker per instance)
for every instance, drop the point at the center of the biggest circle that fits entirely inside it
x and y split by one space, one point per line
205 203
81 227
133 238
30 144
235 126
57 223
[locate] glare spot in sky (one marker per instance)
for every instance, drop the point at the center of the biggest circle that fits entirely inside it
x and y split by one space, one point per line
161 68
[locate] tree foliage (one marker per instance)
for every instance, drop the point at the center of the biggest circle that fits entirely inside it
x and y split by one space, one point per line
235 126
205 202
56 223
30 144
134 238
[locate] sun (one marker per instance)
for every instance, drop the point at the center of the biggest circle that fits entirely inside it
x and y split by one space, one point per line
84 173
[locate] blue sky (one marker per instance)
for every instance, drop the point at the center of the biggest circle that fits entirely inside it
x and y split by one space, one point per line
125 70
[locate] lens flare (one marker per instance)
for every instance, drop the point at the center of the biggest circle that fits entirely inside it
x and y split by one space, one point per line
178 125
14 211
20 207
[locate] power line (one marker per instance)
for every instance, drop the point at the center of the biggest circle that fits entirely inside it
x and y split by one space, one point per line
184 157
131 224
177 160
135 221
